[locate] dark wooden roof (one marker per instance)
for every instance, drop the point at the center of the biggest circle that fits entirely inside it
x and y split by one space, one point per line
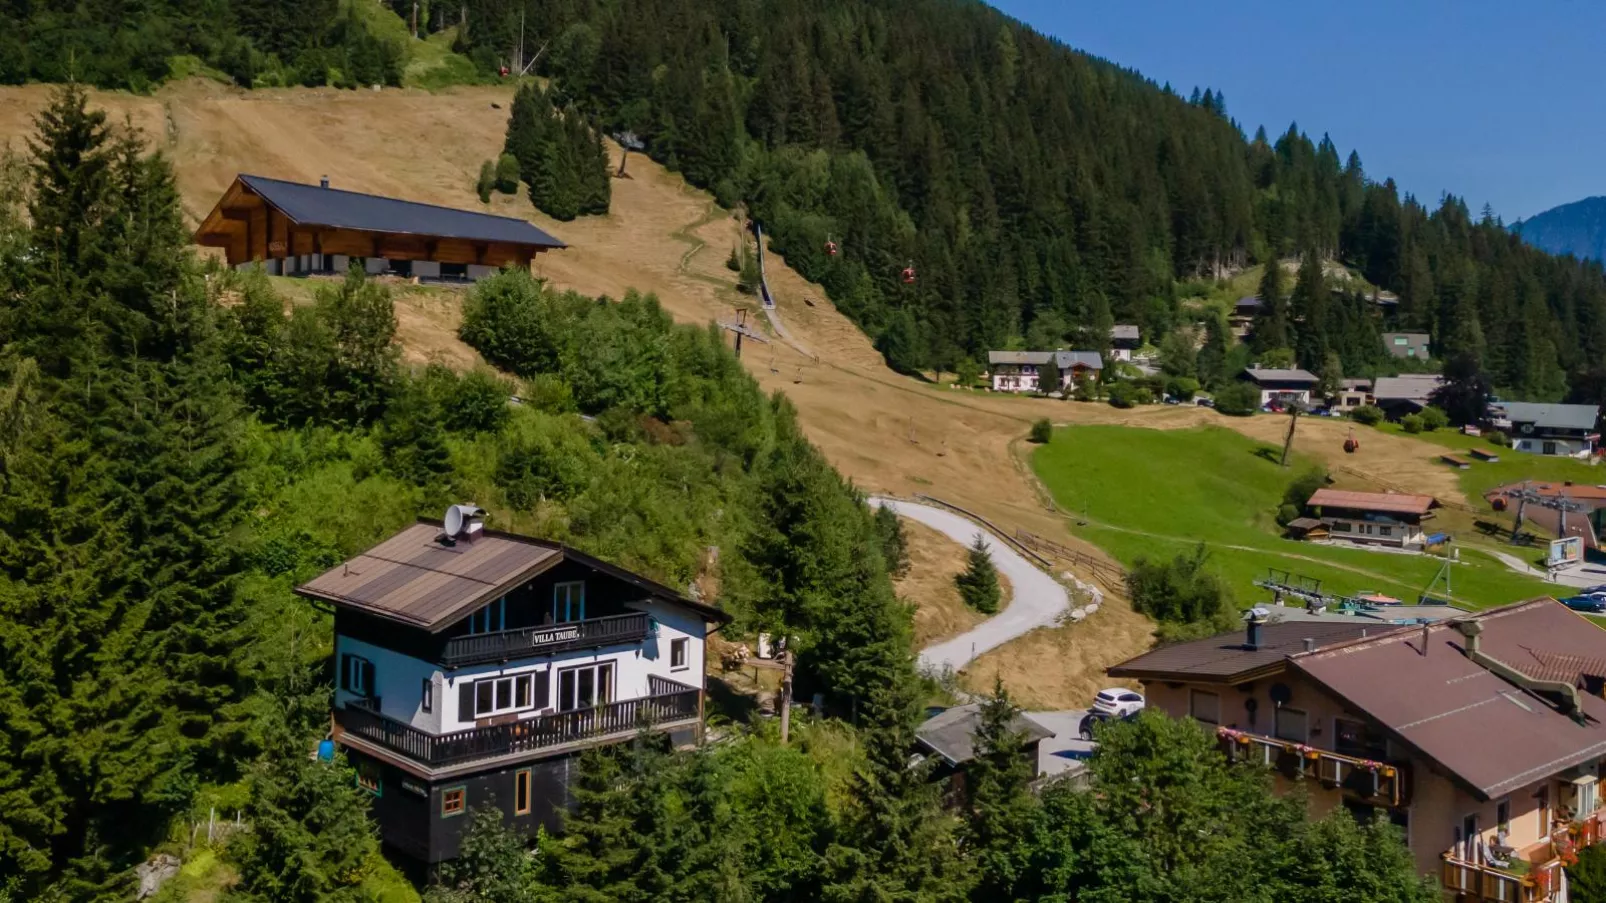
1489 734
1228 659
415 579
314 205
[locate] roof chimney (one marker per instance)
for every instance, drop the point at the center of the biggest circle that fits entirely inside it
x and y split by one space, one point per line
1310 644
323 182
1256 618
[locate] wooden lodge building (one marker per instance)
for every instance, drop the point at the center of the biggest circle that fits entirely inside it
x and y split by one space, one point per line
293 228
473 667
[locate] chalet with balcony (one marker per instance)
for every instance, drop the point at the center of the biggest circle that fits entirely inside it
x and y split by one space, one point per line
1566 430
472 667
1482 738
1019 371
1389 519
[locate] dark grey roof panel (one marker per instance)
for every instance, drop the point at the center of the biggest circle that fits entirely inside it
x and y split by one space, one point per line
313 205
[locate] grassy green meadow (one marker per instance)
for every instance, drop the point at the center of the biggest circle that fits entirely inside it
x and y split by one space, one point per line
1512 467
1156 493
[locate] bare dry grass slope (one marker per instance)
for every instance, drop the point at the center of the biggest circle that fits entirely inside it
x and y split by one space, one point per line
887 432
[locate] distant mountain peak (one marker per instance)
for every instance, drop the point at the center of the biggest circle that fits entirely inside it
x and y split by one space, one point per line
1578 228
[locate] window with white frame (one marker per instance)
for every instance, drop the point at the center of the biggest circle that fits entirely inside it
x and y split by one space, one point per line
679 654
357 675
503 695
490 619
427 702
569 602
585 686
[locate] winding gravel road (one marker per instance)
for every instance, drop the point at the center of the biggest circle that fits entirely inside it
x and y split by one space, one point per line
1038 600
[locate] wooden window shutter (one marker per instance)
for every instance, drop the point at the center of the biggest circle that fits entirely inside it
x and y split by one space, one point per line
345 672
465 701
368 679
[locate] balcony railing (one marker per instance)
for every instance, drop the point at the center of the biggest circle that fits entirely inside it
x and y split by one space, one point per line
506 645
669 701
1379 783
1532 874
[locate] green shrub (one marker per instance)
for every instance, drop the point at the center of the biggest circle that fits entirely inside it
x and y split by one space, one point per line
1495 437
1042 431
1434 418
1185 598
966 372
1367 415
1128 395
487 181
1299 491
507 174
1411 423
1183 387
734 262
1238 399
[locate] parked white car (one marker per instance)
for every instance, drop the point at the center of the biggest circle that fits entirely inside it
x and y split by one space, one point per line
1118 702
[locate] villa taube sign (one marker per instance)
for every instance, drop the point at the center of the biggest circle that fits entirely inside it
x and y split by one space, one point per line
555 635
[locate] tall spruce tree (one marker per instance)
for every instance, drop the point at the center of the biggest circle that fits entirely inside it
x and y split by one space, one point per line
1308 307
998 806
1270 328
119 555
978 582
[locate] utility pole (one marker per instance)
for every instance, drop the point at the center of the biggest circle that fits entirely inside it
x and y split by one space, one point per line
786 695
1294 410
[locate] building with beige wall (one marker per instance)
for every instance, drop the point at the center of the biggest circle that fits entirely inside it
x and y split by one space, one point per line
1481 738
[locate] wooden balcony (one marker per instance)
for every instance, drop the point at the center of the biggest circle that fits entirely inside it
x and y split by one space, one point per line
1532 874
668 702
507 645
1374 782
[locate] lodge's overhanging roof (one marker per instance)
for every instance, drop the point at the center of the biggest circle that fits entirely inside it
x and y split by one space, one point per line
415 579
335 208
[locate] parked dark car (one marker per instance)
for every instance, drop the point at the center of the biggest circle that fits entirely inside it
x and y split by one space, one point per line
1093 718
1205 402
1594 603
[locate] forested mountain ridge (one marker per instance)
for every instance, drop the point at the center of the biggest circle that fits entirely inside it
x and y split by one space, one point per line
1040 194
1578 229
1036 191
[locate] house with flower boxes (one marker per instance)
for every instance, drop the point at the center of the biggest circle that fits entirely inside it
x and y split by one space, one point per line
1482 738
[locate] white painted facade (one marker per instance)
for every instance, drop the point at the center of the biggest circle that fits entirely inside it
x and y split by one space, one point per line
1558 447
398 679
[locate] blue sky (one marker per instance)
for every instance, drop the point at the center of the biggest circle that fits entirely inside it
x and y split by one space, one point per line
1498 102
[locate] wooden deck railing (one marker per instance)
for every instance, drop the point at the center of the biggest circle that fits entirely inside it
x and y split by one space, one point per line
669 701
1382 783
506 645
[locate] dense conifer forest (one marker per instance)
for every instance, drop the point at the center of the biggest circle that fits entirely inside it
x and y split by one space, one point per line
1039 194
1036 191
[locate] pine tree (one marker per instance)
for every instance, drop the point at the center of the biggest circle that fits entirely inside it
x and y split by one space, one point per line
978 583
493 865
1309 308
310 840
596 858
894 544
1048 376
998 806
1270 327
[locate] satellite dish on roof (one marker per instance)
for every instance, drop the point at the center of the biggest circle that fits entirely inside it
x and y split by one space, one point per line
461 519
1281 694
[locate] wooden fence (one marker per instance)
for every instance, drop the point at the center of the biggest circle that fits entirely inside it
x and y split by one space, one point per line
1109 574
1042 551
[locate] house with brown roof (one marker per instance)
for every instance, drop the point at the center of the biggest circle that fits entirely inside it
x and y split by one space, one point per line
1374 518
1482 738
474 666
